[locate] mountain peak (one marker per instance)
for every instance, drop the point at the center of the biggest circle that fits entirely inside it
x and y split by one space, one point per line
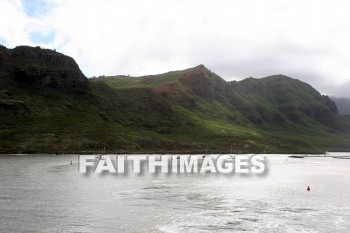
202 67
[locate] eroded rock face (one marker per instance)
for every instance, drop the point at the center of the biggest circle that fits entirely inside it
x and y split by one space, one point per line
42 67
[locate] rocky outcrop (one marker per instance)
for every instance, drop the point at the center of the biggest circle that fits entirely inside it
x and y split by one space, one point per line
42 67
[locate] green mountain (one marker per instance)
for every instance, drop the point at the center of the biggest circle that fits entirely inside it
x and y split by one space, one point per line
47 105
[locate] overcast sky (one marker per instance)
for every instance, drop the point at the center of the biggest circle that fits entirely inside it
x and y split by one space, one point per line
304 39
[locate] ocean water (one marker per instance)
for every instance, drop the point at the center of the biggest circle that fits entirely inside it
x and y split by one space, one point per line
44 193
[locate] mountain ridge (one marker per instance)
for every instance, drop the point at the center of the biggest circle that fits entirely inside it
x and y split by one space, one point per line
59 110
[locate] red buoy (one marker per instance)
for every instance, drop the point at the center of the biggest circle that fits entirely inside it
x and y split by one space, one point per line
308 188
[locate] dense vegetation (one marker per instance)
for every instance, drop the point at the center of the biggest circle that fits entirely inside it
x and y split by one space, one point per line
48 106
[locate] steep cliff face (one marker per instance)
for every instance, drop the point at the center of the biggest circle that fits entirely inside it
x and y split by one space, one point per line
41 67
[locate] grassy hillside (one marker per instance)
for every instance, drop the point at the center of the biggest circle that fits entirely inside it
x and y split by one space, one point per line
47 105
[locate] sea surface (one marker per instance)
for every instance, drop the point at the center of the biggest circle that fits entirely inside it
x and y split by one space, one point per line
45 193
